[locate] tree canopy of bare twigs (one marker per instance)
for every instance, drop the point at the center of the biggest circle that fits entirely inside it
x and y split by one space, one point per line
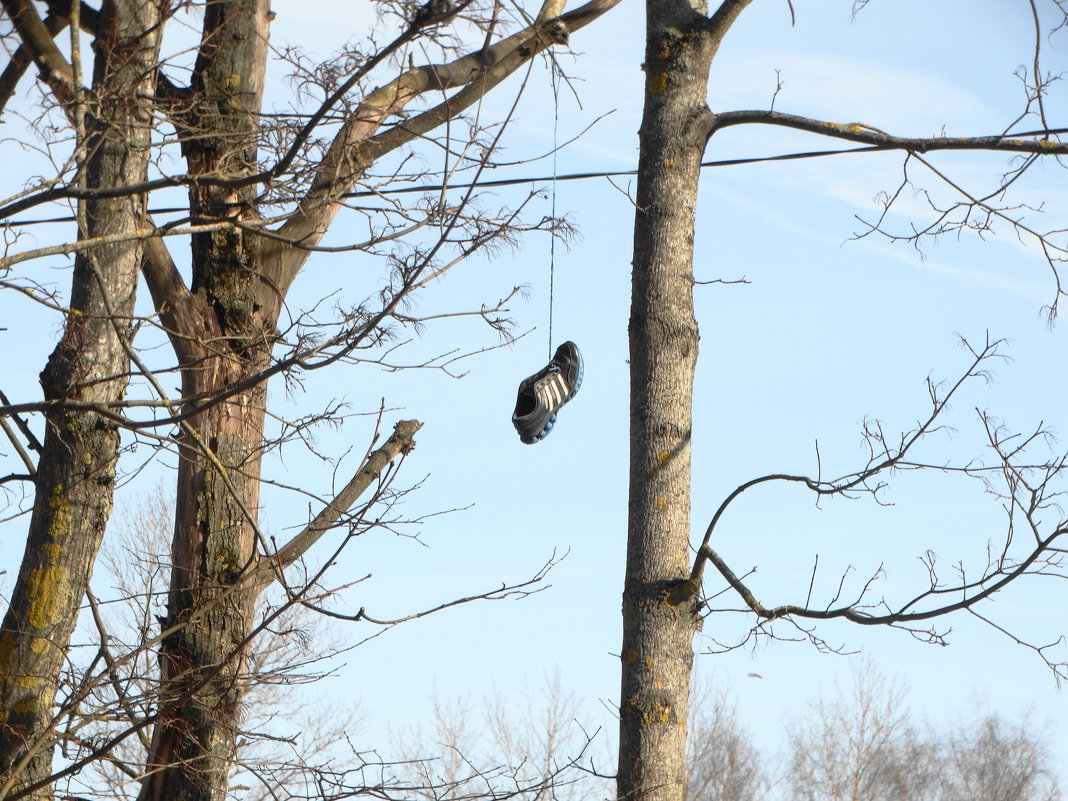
152 125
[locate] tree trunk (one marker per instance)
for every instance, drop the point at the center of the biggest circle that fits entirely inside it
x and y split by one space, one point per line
90 365
227 340
659 605
211 608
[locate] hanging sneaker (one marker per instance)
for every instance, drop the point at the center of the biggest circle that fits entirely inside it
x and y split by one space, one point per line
542 395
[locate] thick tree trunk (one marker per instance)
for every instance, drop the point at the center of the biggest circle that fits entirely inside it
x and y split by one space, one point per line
203 660
659 606
75 482
211 609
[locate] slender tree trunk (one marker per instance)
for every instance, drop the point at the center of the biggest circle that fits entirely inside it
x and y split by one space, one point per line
659 605
75 482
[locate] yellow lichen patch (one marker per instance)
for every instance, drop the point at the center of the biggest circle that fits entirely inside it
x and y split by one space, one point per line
218 239
30 682
632 655
48 587
38 645
658 83
658 684
649 663
660 713
667 163
60 526
664 54
663 456
661 502
233 81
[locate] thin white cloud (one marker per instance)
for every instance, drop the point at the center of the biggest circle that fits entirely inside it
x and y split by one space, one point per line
999 278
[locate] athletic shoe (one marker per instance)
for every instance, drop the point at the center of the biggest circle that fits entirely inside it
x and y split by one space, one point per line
542 395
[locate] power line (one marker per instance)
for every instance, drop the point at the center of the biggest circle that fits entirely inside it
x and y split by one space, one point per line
577 176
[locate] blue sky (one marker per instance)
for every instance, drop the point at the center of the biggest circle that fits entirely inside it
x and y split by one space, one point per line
828 332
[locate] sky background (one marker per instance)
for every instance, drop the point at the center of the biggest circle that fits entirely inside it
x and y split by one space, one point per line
829 331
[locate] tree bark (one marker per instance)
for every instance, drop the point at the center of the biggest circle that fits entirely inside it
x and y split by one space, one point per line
76 476
227 340
659 604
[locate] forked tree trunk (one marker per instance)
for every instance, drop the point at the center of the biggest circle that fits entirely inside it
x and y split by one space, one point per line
659 606
76 477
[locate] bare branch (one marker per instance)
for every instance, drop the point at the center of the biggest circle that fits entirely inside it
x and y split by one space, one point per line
356 146
1038 142
55 69
1024 498
401 442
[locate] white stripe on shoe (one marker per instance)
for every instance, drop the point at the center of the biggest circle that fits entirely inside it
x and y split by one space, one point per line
554 392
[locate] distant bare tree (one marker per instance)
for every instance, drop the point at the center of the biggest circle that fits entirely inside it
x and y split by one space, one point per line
291 652
993 761
860 748
867 746
530 742
724 764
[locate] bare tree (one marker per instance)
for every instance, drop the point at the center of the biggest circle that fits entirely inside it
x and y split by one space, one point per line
261 191
995 761
665 602
723 762
502 744
864 744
